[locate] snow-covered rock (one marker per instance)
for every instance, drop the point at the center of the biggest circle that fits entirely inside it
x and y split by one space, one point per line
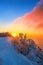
9 56
29 49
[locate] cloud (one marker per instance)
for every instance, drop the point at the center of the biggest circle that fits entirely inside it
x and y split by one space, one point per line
30 21
40 26
40 4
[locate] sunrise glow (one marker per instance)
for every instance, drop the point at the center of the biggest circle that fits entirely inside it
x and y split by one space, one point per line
14 34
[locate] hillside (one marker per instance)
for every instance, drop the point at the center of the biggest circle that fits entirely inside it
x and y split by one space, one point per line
9 56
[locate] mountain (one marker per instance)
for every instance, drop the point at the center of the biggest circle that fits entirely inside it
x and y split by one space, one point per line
9 56
4 34
20 52
35 53
30 50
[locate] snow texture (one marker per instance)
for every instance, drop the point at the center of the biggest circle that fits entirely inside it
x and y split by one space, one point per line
9 56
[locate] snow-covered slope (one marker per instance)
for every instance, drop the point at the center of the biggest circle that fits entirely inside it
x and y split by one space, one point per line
35 53
9 56
30 50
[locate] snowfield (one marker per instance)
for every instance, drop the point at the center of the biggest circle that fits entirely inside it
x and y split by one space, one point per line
9 56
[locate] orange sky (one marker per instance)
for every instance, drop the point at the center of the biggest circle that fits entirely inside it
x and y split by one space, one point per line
31 22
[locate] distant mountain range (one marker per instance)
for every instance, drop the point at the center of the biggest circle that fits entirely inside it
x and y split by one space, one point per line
5 34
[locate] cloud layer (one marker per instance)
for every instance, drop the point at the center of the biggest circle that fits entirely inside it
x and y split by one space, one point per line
31 21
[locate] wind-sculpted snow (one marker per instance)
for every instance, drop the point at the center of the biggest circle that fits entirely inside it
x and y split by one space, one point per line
9 56
29 49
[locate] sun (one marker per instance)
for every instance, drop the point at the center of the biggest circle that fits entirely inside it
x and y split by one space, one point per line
14 35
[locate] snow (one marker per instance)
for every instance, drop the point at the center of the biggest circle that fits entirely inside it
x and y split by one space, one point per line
30 51
9 56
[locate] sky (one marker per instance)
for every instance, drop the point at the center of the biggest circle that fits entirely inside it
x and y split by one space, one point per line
12 9
23 16
27 14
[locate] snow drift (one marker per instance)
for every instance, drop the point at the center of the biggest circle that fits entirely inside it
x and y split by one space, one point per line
9 56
